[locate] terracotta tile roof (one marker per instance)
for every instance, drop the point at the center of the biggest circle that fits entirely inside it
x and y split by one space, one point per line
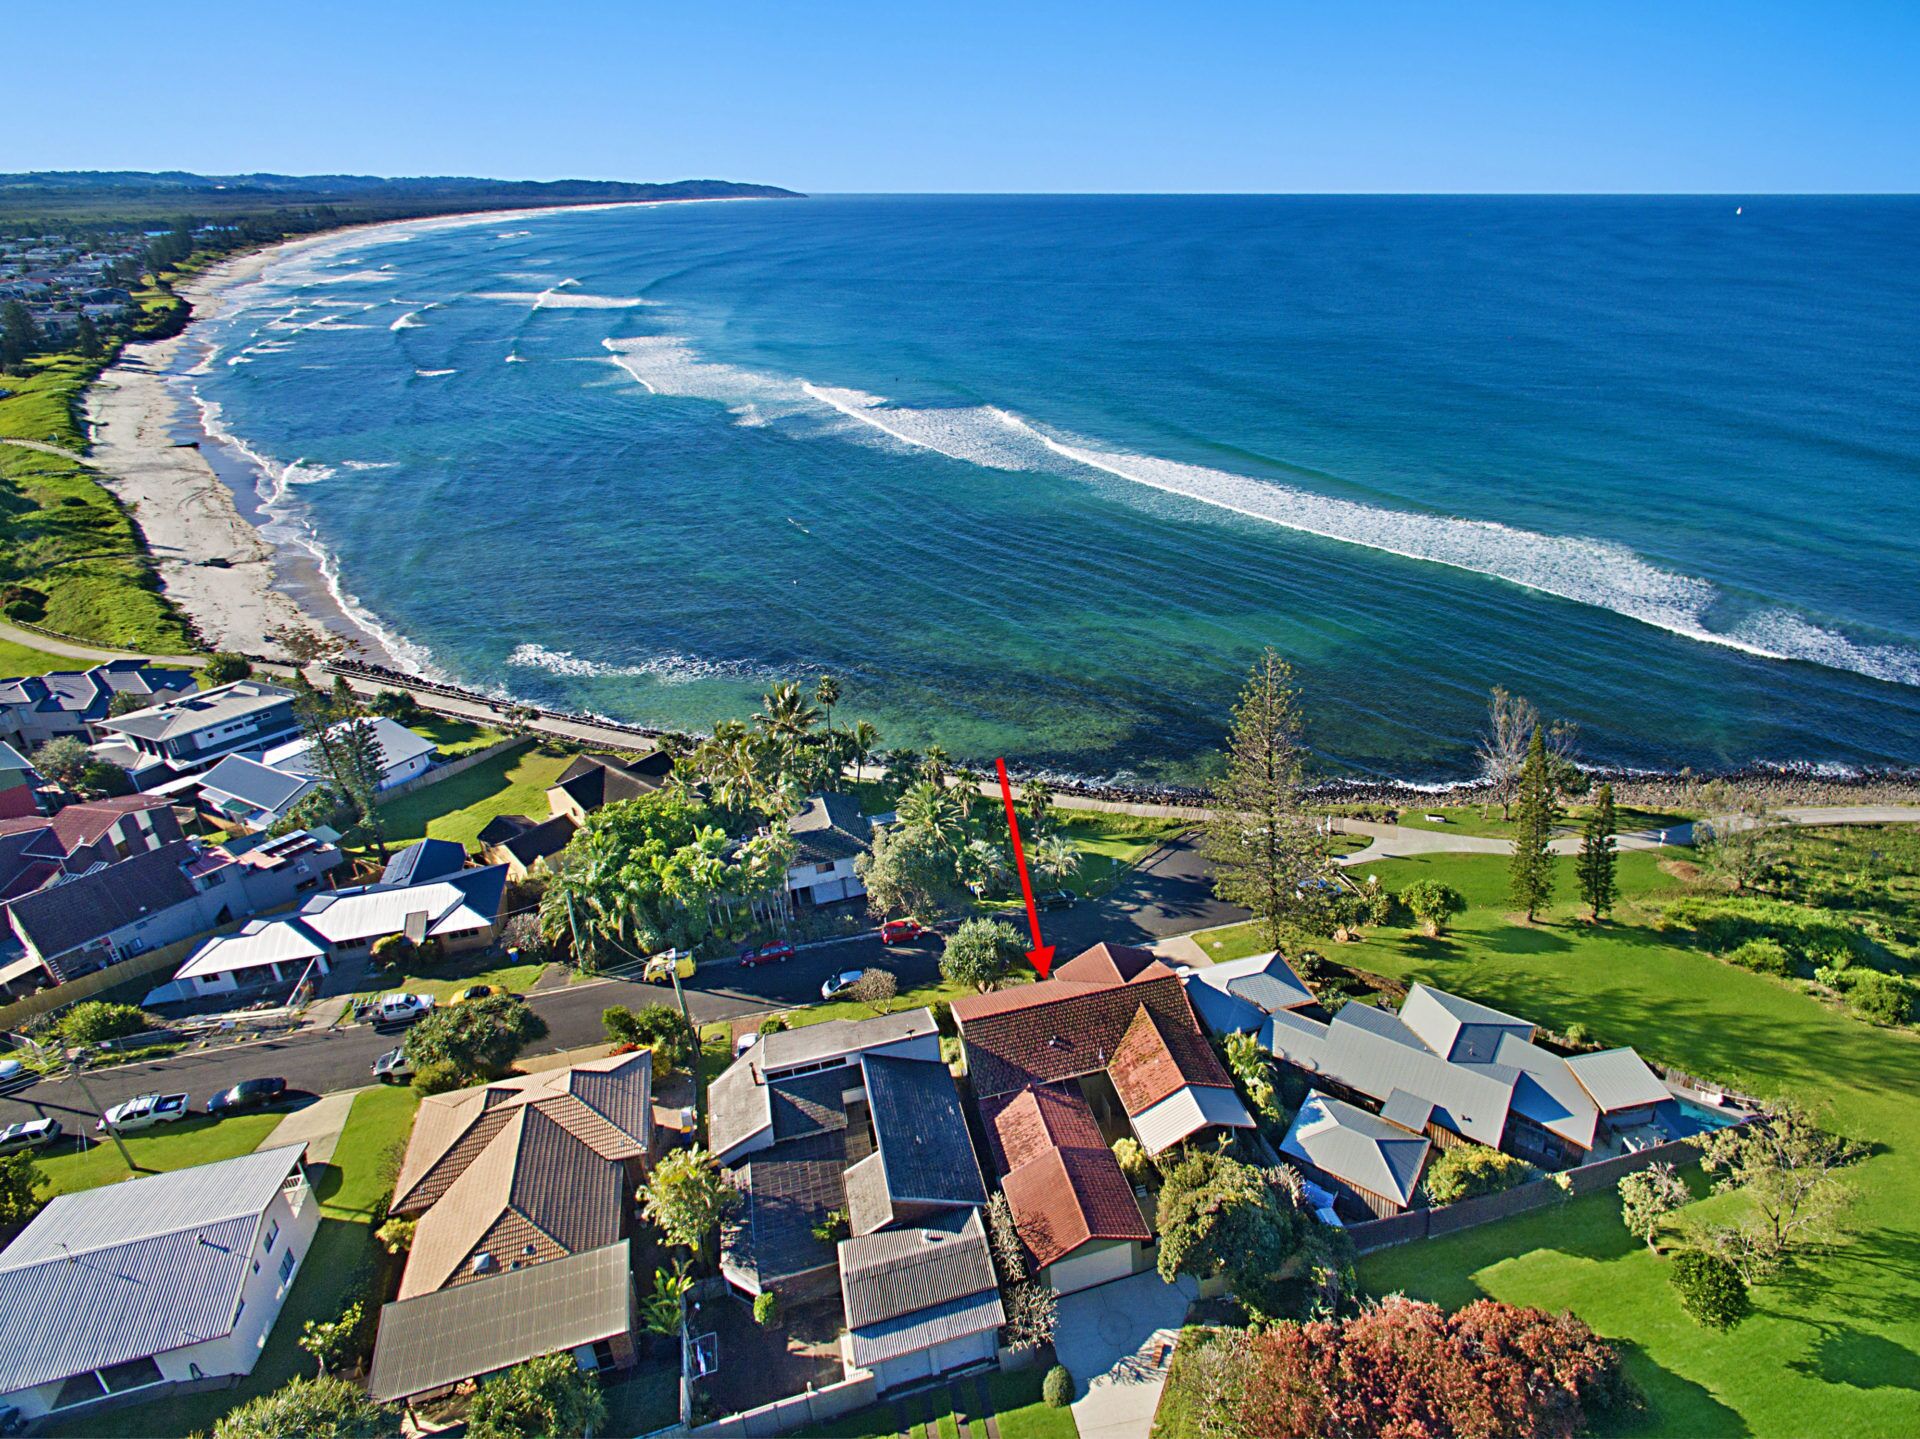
1111 964
606 1104
1069 1196
1154 1058
1048 1116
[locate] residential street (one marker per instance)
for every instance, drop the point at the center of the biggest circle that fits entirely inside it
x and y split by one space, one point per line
1165 895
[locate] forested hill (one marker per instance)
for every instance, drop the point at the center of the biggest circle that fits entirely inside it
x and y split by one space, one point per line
129 196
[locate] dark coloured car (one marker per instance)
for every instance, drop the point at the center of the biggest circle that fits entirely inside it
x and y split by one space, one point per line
247 1094
767 954
1056 899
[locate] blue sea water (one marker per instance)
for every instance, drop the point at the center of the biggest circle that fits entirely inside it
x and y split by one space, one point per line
1041 475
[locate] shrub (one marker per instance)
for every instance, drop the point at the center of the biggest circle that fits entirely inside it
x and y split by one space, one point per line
311 1407
548 1395
1764 956
1710 1289
1403 1367
392 951
439 1076
1132 1156
226 667
478 1039
773 1024
833 1228
652 1026
1579 1036
1882 998
1433 903
94 1020
1219 1216
20 1181
521 932
397 705
1465 1170
1057 1387
766 1309
981 953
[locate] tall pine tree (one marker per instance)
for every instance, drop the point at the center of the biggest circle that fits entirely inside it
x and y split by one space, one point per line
1266 848
1534 811
1597 854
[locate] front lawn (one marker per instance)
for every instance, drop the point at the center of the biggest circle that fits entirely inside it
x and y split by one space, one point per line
180 1145
1018 1411
16 660
487 969
458 808
1831 1347
1110 844
453 737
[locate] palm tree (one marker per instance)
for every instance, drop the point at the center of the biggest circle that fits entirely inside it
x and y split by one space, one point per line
866 739
903 766
786 716
1036 805
1055 858
933 765
928 807
826 694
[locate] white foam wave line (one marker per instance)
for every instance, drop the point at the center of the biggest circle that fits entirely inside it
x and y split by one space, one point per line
411 320
673 669
556 298
434 374
370 464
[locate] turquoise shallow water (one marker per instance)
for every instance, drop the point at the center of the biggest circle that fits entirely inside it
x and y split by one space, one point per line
1041 475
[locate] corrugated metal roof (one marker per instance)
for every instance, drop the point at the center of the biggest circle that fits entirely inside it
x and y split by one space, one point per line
813 1043
257 944
1360 1148
1618 1079
491 1324
398 745
135 1269
1456 1028
1545 1090
922 1135
1187 1111
468 900
909 1289
202 710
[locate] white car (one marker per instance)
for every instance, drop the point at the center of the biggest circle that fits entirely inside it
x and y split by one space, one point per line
144 1112
402 1008
14 1075
29 1134
845 979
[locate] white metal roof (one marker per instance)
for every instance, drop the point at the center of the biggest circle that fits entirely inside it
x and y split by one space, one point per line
398 744
1361 1148
1618 1079
377 910
1188 1110
256 945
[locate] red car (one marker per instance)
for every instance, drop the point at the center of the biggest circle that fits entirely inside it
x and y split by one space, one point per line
767 953
900 931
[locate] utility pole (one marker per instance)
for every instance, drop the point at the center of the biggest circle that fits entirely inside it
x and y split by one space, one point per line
699 1094
73 1067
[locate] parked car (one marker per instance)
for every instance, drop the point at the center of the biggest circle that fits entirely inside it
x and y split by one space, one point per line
845 979
767 953
14 1075
247 1094
29 1134
144 1112
401 1008
12 1421
902 931
1056 899
663 967
475 991
744 1043
393 1067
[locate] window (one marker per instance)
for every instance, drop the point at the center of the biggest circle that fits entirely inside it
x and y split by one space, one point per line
286 1268
826 868
273 1233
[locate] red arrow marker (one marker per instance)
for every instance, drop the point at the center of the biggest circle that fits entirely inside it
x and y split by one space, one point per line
1041 955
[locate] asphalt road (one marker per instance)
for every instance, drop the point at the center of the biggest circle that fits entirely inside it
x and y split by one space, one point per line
1168 894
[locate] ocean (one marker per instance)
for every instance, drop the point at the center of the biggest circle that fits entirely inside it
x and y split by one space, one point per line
1040 476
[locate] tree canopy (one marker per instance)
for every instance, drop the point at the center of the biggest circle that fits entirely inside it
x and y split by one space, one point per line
981 953
1219 1216
543 1398
320 1408
477 1040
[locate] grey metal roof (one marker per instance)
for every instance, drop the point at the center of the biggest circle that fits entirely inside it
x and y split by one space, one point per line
811 1043
910 1289
1221 1012
134 1269
738 1107
486 1325
830 827
921 1132
810 1103
1459 1029
398 746
1360 1148
1409 1111
256 784
189 714
1618 1079
869 1206
88 907
1545 1090
786 1191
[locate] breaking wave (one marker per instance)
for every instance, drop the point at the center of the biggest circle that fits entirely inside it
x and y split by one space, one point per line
1598 573
667 668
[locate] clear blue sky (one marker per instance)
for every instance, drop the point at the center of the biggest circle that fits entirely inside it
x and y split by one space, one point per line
1740 96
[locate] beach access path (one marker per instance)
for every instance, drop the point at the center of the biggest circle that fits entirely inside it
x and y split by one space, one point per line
48 643
44 448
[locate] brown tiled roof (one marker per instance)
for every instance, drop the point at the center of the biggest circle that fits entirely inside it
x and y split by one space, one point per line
1068 1196
536 1192
1155 1058
605 1104
1071 1029
1111 964
1048 1116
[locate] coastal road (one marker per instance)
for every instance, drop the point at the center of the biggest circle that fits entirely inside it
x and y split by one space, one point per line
1166 894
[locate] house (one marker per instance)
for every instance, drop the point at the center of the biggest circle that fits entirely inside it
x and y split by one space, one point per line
581 1304
460 911
404 755
19 784
260 952
860 1119
920 1301
829 833
37 708
36 848
1106 1047
245 794
591 781
424 860
1457 1070
125 1293
1370 1165
507 1176
187 733
154 898
594 780
1239 995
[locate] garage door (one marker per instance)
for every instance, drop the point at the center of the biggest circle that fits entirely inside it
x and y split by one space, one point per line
904 1370
830 891
1099 1266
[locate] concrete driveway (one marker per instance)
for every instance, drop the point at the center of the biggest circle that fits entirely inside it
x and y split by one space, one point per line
1117 1341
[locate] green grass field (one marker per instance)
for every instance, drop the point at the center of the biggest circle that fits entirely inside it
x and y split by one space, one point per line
1018 1412
18 660
1833 1348
459 808
180 1145
454 737
1485 820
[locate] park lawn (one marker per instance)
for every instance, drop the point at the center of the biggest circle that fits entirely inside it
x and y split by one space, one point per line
1831 1347
1485 820
180 1145
1110 844
350 1189
454 737
458 808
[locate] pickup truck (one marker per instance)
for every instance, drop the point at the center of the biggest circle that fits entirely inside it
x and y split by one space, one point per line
396 1009
144 1112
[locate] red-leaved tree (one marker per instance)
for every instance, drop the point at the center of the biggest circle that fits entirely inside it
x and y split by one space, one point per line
1407 1370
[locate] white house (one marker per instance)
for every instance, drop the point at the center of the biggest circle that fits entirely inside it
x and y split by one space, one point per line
829 833
404 755
120 1294
262 951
